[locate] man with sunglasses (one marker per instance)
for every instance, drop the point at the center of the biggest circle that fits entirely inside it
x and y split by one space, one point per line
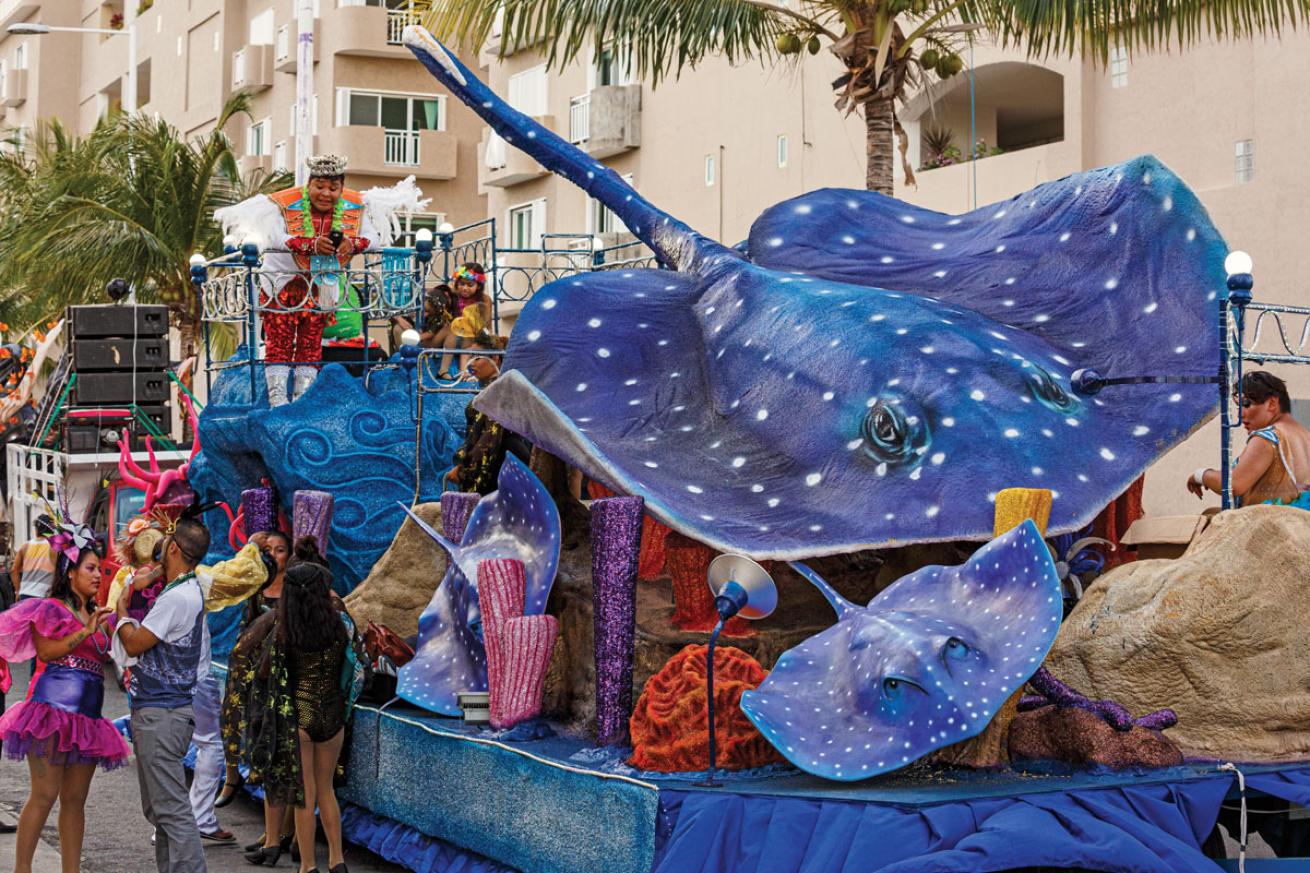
165 651
1275 465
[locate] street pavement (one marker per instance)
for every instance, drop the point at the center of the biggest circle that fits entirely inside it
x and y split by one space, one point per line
117 834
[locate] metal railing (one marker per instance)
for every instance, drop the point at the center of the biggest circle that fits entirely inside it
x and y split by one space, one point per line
401 147
580 119
397 21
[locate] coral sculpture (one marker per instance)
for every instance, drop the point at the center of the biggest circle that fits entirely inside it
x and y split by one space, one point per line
669 729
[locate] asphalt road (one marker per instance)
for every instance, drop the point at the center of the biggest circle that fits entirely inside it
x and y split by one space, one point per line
117 834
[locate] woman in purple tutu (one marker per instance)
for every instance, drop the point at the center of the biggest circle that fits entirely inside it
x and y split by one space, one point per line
59 728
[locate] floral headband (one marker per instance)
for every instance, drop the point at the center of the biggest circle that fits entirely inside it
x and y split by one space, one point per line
70 540
472 275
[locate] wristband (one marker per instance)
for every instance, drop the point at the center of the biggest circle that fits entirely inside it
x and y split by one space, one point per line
1199 476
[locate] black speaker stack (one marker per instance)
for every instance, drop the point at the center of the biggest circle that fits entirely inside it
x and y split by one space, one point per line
120 359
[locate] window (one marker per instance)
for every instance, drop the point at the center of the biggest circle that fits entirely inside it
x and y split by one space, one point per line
401 112
601 219
709 170
610 66
1118 67
261 28
782 150
1245 161
20 57
257 138
411 223
526 225
528 93
280 163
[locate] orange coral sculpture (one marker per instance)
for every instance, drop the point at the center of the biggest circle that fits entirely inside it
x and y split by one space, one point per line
670 732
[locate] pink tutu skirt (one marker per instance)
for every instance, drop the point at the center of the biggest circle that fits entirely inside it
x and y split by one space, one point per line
33 728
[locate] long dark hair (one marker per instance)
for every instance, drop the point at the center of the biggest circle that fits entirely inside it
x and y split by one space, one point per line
308 618
251 610
62 587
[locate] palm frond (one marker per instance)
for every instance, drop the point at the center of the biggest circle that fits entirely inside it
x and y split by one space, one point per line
658 36
1091 28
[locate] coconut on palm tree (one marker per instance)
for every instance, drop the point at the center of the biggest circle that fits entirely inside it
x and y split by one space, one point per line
886 46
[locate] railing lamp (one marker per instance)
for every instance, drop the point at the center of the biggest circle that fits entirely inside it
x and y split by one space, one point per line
199 269
423 245
1238 265
250 252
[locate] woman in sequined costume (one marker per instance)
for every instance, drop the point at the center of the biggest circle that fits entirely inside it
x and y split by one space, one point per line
59 728
298 704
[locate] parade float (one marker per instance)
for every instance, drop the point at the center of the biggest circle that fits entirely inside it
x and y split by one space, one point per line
592 689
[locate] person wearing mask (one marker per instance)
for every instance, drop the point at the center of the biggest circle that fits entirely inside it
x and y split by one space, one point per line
59 729
165 651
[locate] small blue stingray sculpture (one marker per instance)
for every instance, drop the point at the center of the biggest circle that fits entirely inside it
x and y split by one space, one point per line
518 520
926 664
869 371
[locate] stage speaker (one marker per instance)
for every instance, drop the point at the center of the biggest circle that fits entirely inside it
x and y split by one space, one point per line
120 354
117 321
105 389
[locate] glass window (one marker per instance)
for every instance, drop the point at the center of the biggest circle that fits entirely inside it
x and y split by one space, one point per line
258 138
395 113
1118 67
127 504
414 222
1245 161
782 150
709 170
520 227
425 114
364 109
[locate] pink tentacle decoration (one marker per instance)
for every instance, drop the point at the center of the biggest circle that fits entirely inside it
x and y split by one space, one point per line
126 469
150 451
236 531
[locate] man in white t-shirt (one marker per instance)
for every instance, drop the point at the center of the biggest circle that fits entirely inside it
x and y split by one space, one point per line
165 652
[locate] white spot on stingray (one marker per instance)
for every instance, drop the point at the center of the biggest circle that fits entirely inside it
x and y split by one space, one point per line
804 209
757 489
738 461
1141 430
1114 228
1064 237
1150 308
773 502
1191 234
886 259
932 511
813 479
582 386
940 274
975 394
1011 432
948 422
938 246
534 335
1107 454
1000 249
1174 398
938 458
549 303
855 444
1168 204
695 489
652 465
927 350
595 322
908 219
775 241
828 395
604 353
848 239
1042 319
761 415
1111 284
1180 349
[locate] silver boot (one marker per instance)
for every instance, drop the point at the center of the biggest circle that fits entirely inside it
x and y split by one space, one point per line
276 377
305 377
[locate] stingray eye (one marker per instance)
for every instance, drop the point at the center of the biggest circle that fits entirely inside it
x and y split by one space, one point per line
955 649
1050 392
892 434
891 688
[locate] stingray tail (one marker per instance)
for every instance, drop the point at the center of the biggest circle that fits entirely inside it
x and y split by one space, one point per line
451 548
839 604
674 243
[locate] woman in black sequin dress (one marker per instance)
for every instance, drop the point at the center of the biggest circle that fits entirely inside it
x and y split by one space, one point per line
302 685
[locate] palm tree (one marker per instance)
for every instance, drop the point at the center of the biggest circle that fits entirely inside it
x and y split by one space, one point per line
134 199
886 46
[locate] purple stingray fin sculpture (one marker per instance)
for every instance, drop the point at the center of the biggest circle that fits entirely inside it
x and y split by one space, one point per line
518 520
926 664
872 370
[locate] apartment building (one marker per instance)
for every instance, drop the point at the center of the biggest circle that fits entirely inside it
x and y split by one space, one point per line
721 143
373 102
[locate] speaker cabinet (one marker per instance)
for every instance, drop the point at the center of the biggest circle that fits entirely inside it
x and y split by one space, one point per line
107 389
117 321
120 354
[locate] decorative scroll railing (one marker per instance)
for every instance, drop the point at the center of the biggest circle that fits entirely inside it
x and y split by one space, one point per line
237 288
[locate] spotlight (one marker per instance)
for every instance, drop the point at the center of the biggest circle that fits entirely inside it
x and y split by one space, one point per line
740 587
118 289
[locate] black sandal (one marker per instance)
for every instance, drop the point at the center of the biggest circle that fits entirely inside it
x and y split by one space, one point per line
264 856
224 798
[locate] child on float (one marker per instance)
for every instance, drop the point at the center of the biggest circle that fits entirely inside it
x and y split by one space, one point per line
472 313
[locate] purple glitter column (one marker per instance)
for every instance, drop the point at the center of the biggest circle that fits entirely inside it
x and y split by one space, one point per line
258 511
615 549
311 516
456 508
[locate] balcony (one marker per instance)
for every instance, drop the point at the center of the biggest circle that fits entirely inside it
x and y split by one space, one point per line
252 68
607 121
15 88
367 31
503 165
16 10
284 49
376 151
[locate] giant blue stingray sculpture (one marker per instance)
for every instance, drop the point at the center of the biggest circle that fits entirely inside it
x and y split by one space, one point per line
872 371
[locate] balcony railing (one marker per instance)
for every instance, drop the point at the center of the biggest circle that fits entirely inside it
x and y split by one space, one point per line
580 119
397 21
400 147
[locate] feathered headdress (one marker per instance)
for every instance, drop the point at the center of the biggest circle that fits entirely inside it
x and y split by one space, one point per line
137 540
65 536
